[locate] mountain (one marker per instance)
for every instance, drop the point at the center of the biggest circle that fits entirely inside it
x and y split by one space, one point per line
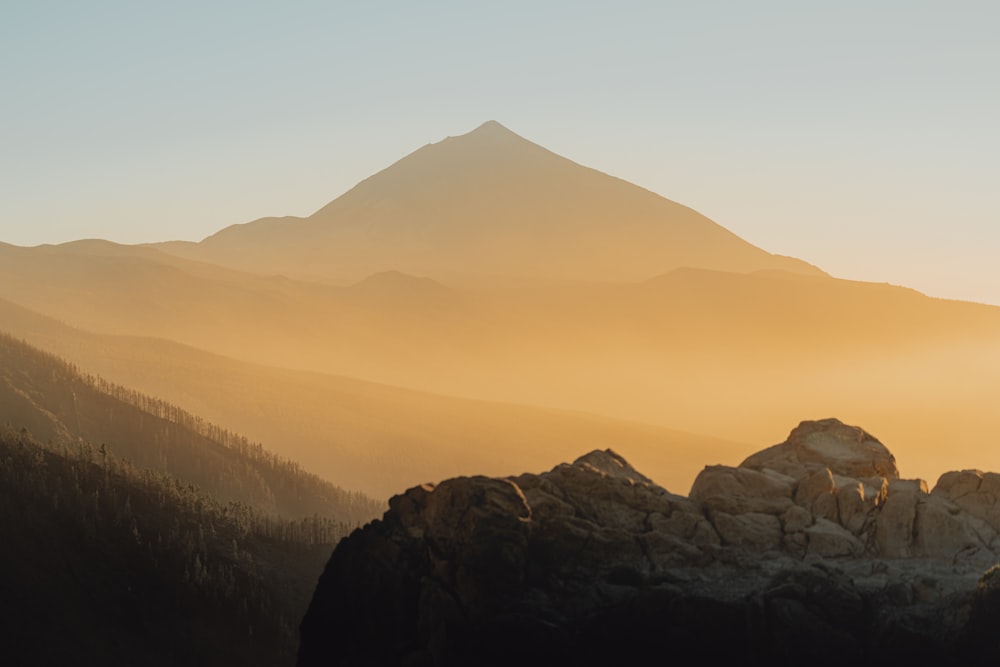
673 349
487 205
811 552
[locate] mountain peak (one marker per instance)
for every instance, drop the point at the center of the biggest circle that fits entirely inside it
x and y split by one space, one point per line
493 127
491 203
490 133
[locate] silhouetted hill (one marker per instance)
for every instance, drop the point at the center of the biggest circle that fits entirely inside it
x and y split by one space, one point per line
487 205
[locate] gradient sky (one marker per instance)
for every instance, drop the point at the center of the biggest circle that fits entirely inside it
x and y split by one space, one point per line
860 136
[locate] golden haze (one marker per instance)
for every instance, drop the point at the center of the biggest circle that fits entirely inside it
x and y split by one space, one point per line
485 306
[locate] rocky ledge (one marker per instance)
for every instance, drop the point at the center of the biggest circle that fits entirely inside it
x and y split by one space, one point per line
810 551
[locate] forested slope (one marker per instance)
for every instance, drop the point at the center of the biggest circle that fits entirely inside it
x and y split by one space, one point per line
59 404
106 564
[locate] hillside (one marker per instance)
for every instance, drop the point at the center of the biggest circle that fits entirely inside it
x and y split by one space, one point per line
106 564
57 404
137 533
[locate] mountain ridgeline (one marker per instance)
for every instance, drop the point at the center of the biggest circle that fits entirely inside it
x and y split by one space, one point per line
487 205
368 382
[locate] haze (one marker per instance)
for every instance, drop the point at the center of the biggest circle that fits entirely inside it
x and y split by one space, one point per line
859 138
484 305
264 268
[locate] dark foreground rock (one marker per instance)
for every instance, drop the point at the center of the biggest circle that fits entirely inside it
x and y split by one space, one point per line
813 551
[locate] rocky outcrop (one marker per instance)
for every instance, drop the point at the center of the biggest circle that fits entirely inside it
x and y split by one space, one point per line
813 550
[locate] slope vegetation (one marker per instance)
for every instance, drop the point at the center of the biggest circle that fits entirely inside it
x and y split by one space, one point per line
104 564
57 404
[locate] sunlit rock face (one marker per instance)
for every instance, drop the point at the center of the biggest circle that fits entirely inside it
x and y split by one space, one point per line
810 551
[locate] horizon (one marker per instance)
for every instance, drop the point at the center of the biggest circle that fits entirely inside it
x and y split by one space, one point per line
849 138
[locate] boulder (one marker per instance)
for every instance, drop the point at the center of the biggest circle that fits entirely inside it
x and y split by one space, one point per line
828 443
894 525
818 493
796 519
857 501
741 491
830 540
976 492
942 530
752 531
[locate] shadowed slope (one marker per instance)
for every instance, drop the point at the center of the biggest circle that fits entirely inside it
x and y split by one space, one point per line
106 564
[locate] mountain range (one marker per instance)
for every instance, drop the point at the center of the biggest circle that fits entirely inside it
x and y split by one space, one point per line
482 306
509 288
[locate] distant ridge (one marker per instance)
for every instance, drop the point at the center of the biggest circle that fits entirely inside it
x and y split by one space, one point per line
395 280
491 205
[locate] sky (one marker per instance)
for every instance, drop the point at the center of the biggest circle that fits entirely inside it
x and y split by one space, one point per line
859 136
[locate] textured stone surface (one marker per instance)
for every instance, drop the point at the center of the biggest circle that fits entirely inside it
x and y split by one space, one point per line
811 544
742 490
976 492
830 540
846 450
895 522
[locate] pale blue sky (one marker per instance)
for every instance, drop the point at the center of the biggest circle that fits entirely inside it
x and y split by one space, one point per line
860 136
